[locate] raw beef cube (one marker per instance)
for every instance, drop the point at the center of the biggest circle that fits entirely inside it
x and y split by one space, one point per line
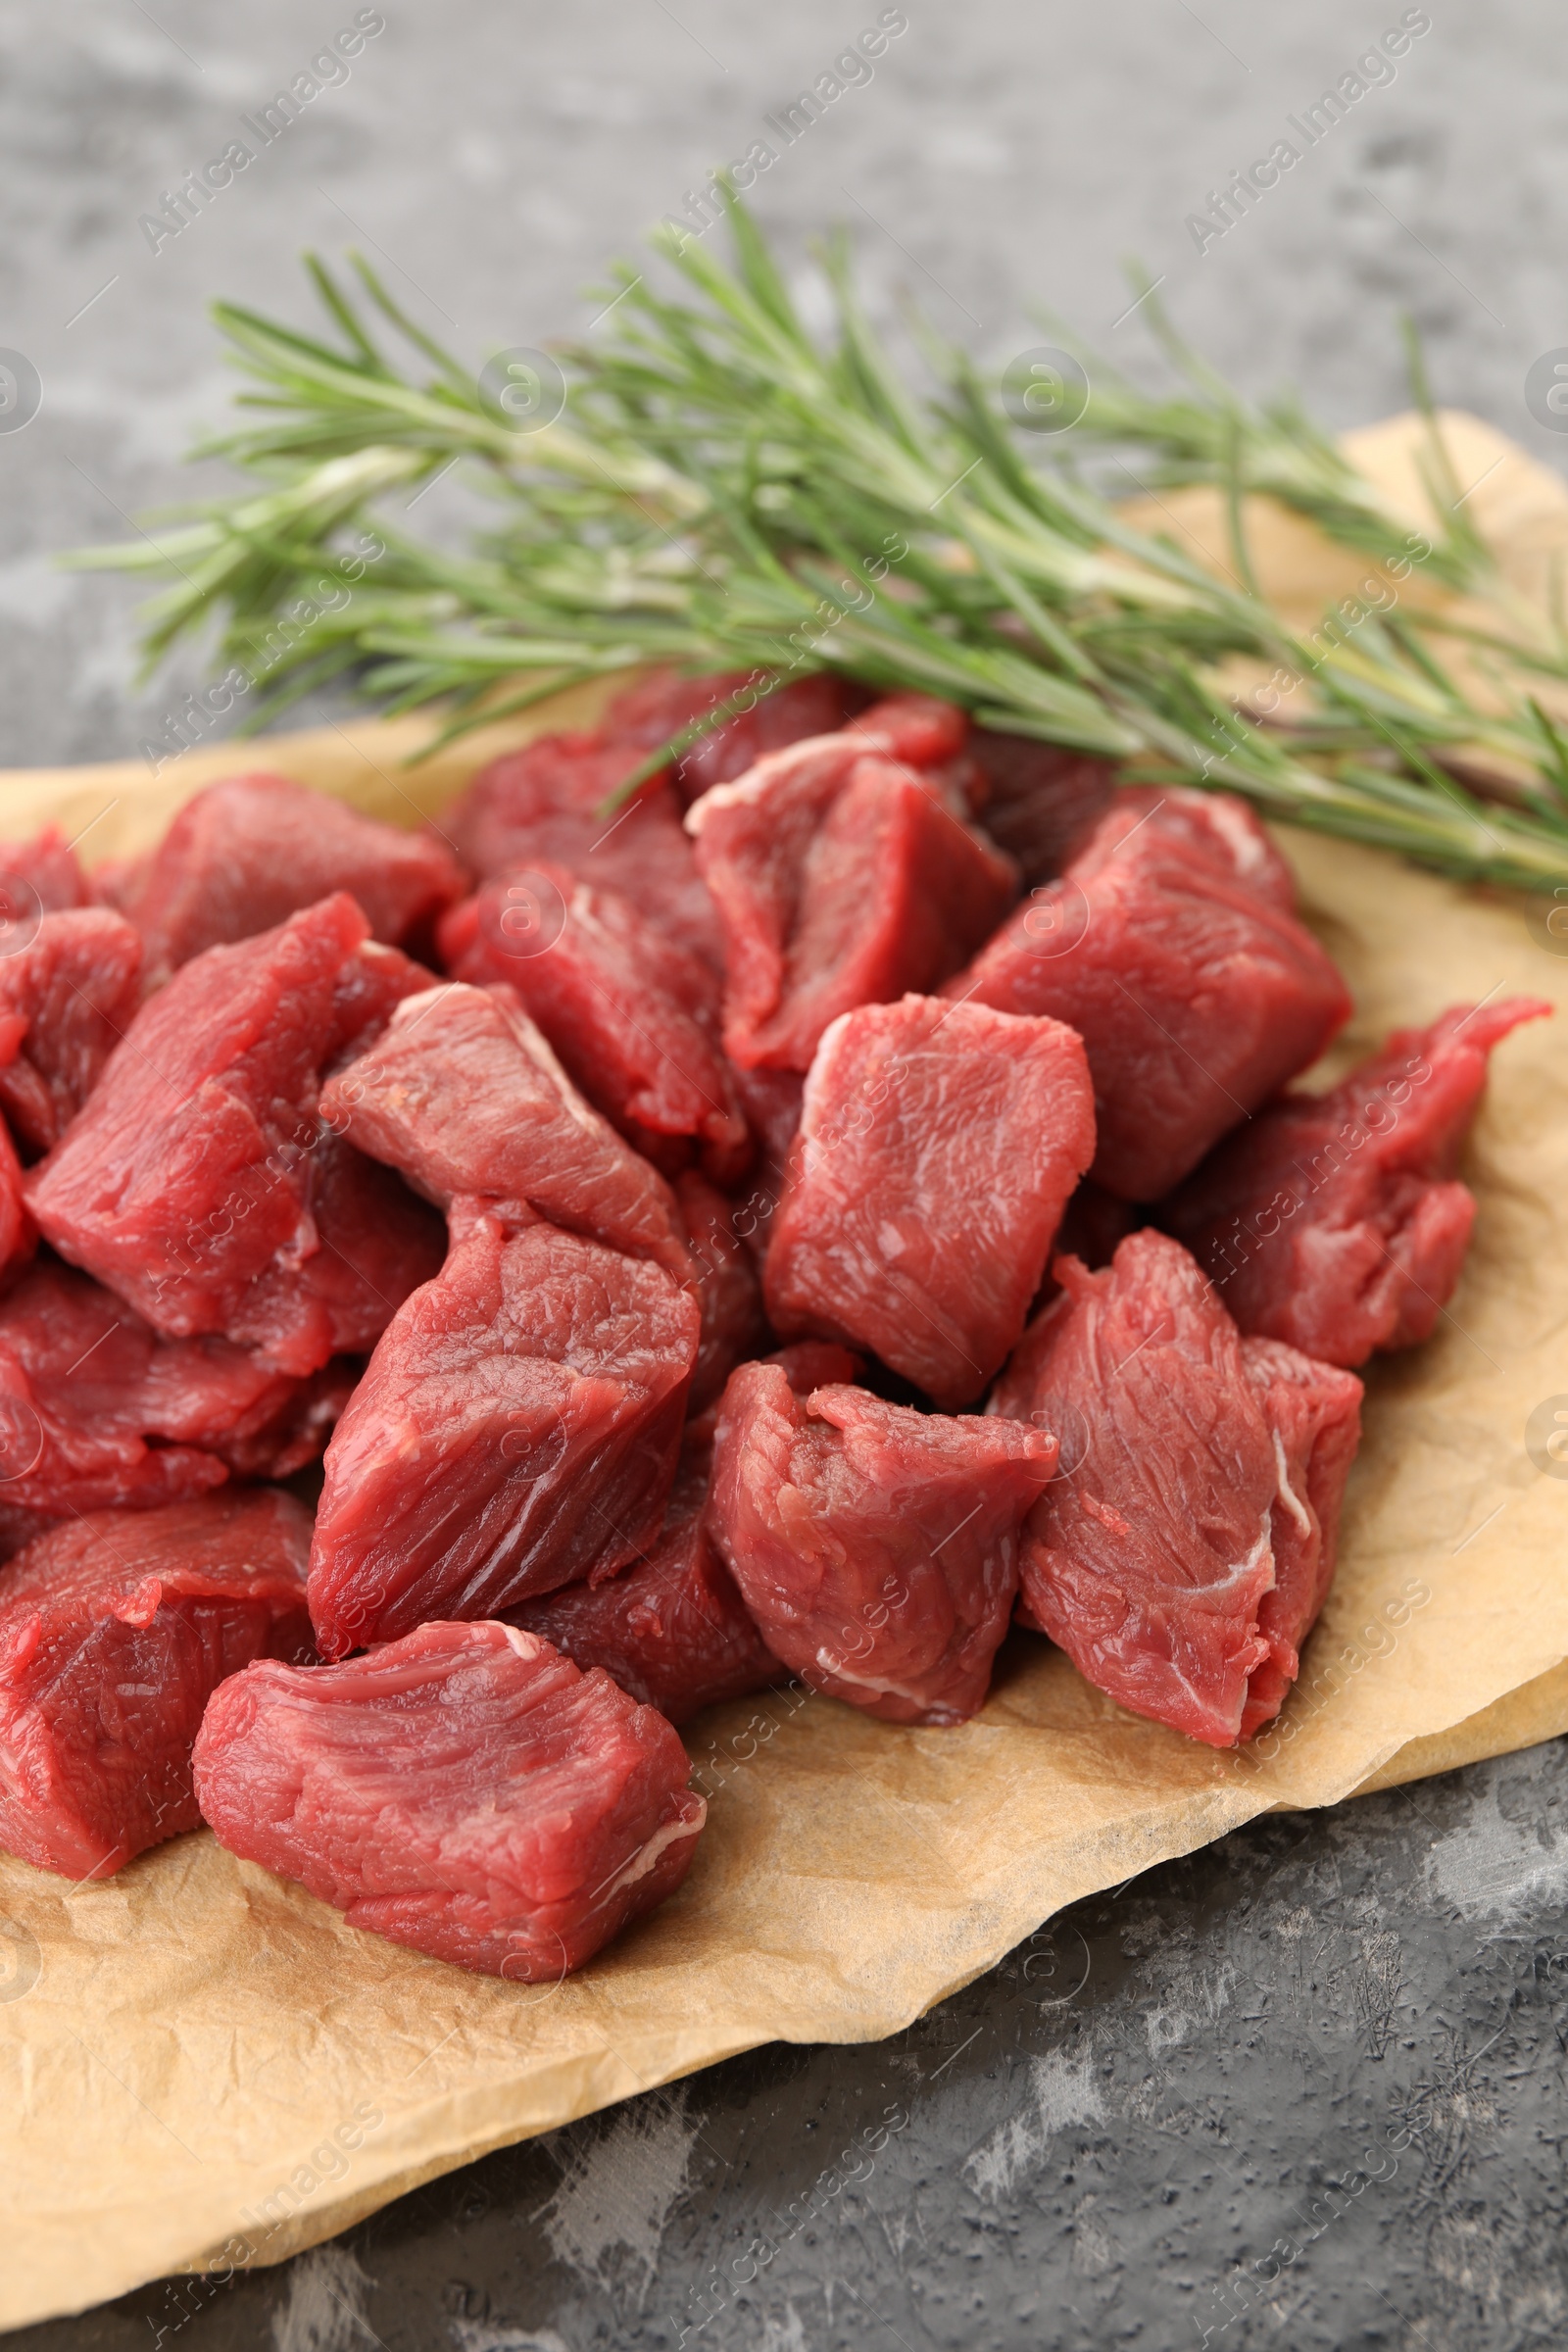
466 1791
923 732
875 1547
1215 828
728 1293
115 1630
375 1243
200 1184
1335 1221
1041 801
1150 1557
658 707
937 1149
97 1410
41 876
809 1364
245 855
806 1365
516 1429
1197 994
843 876
671 1629
543 806
65 1000
371 986
296 1433
634 1018
18 1233
1313 1412
463 1095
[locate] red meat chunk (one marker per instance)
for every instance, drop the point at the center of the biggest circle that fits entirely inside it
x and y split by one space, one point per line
937 1149
516 1429
18 1233
96 1410
1040 801
1150 1557
809 1364
463 1095
843 876
1195 992
297 1430
806 1365
542 807
41 876
199 1182
65 1000
671 1629
875 1547
466 1791
245 855
370 987
1313 1412
115 1630
728 1293
1214 829
1335 1221
634 1018
655 710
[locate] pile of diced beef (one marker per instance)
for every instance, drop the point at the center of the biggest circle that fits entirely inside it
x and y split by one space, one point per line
798 1220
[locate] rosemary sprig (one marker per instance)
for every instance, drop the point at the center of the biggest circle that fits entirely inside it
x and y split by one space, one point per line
723 491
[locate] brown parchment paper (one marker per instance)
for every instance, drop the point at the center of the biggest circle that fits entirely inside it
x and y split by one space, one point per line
201 2065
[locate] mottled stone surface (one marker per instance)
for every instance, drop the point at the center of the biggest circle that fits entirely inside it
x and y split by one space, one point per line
1307 2086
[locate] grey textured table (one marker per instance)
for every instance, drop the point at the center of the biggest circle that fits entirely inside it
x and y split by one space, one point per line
1309 2083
